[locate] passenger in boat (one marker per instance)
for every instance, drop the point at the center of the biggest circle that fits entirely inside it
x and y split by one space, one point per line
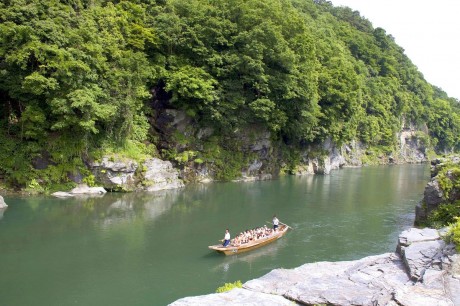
226 238
276 222
236 241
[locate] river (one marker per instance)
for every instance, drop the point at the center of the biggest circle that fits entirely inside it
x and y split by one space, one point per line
151 248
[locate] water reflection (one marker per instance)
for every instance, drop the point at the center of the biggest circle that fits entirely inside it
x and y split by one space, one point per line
147 206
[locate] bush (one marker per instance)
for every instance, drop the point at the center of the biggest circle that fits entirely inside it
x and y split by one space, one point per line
444 214
229 286
455 232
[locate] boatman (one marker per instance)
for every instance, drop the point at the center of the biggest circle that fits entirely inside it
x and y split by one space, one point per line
226 238
276 222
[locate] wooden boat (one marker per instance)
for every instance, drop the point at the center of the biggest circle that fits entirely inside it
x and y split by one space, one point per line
244 247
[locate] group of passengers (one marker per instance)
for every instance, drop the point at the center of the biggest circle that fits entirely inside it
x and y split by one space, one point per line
252 235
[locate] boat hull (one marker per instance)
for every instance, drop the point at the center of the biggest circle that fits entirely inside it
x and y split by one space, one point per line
232 250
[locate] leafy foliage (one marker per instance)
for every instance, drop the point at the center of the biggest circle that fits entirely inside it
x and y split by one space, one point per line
448 178
229 286
455 232
81 73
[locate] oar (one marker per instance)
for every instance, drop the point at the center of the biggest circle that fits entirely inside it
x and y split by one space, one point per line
281 223
287 225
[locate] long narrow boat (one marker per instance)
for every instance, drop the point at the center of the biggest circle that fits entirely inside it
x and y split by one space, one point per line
231 250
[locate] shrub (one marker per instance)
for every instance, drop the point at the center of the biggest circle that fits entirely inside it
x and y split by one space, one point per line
444 214
229 286
455 232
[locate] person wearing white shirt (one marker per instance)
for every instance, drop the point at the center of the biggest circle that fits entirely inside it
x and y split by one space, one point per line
276 222
226 238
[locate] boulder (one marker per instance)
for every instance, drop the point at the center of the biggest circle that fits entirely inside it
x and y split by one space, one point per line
85 189
2 203
433 196
115 173
62 194
160 175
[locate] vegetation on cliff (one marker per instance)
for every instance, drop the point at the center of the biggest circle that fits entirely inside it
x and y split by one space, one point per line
81 77
448 212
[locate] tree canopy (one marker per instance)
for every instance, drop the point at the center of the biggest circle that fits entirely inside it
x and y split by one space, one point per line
82 73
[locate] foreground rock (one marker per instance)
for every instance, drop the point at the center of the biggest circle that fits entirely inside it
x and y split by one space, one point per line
235 297
424 271
2 203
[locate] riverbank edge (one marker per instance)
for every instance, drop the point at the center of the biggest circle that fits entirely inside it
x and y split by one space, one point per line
424 270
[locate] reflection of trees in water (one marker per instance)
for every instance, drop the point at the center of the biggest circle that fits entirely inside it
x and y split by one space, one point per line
146 206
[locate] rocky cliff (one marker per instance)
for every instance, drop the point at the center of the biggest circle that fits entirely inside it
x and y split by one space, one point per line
443 187
188 152
262 157
424 271
125 174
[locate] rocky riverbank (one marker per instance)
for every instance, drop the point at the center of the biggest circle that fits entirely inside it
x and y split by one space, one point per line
423 271
443 188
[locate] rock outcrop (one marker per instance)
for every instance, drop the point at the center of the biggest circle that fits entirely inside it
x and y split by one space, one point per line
265 156
160 175
81 189
2 203
115 174
423 271
433 195
127 175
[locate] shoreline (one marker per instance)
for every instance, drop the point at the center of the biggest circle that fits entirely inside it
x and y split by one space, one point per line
28 193
423 271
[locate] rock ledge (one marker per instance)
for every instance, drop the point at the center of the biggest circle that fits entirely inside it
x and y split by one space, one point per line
423 271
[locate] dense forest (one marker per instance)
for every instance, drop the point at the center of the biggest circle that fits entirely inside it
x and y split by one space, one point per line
79 78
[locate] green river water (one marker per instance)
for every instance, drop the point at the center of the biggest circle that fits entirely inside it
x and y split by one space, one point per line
151 248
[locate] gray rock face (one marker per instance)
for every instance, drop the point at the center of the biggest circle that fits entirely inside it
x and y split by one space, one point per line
160 175
235 297
420 256
115 173
433 195
2 203
411 148
367 281
121 175
423 274
414 235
